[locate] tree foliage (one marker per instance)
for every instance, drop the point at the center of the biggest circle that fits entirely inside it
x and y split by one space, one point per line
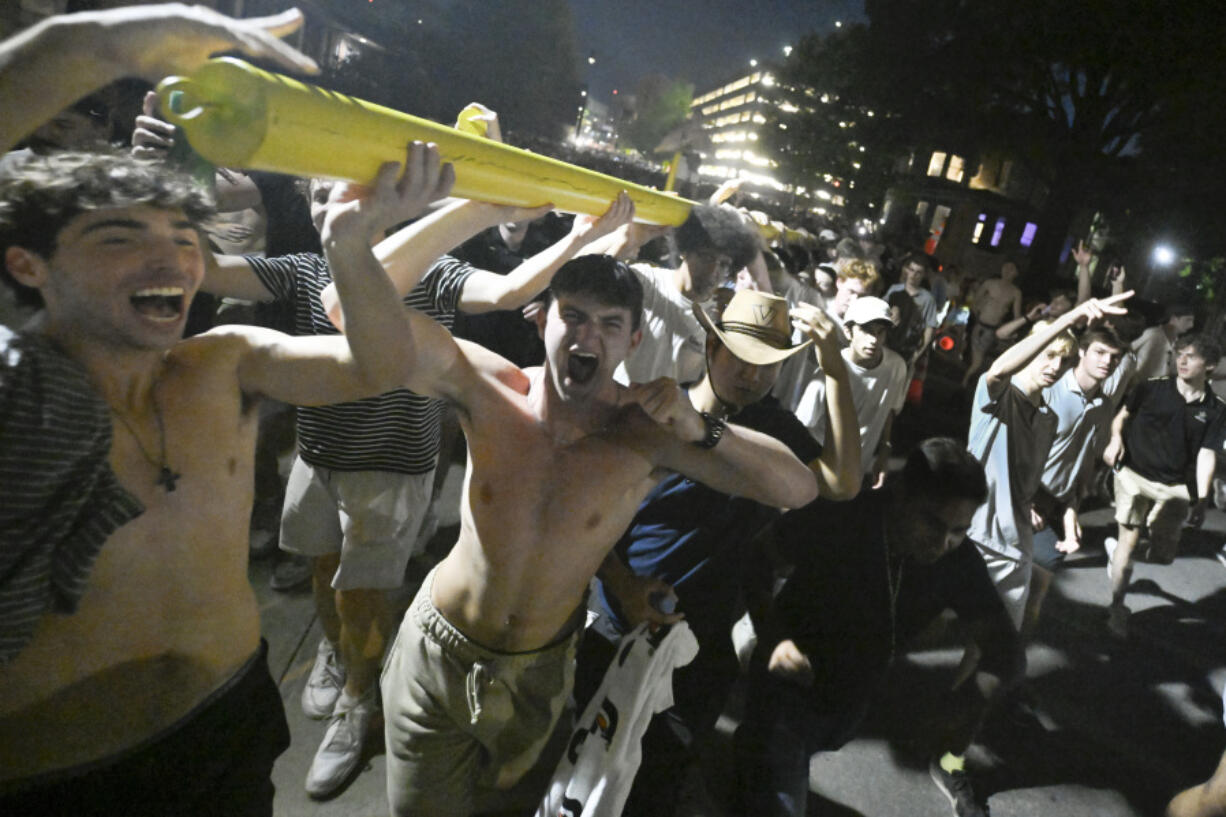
1086 92
660 104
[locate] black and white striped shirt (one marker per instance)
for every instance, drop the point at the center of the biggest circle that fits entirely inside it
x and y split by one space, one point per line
59 498
397 431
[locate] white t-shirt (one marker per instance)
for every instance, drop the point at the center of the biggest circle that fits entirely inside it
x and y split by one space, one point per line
673 339
874 392
604 752
1155 355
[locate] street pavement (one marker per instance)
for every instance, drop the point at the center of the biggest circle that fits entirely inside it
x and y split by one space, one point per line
1115 728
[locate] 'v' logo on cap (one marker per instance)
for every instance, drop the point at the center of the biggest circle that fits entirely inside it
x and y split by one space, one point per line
764 313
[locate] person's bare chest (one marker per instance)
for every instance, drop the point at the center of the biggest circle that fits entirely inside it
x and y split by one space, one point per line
526 482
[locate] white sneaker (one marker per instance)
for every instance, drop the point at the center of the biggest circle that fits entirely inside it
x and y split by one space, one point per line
340 754
324 684
1109 545
1117 620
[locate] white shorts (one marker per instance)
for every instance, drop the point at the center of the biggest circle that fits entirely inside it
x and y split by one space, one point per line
1012 580
371 517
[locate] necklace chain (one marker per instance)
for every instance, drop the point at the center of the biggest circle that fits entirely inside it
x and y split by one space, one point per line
893 583
166 476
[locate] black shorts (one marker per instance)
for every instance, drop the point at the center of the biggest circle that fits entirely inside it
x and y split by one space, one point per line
1045 554
217 760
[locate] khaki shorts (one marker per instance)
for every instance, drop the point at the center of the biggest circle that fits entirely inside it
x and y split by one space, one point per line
458 716
1159 506
371 517
983 338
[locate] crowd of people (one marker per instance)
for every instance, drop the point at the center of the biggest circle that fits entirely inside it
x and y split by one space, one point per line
665 430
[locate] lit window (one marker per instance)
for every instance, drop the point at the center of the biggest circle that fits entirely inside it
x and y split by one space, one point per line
956 168
998 231
937 163
975 236
1028 234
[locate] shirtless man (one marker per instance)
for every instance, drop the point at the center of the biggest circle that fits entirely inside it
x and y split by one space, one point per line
153 696
559 459
152 653
995 299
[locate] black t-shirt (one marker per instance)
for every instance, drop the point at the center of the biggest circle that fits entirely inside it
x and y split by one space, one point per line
1164 431
837 605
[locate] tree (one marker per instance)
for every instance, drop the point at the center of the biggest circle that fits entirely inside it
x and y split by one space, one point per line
822 128
660 105
1078 90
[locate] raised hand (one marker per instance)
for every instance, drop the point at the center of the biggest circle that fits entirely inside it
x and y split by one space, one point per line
152 138
816 325
1082 254
1097 309
395 196
620 214
159 40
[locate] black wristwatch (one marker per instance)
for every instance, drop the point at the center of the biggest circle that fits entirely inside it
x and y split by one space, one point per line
715 430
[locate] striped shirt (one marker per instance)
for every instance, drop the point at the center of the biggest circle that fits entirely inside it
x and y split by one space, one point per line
61 500
397 431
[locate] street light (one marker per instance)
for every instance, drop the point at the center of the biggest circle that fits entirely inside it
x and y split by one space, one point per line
1164 255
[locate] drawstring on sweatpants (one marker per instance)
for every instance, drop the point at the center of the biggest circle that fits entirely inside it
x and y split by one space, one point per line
476 679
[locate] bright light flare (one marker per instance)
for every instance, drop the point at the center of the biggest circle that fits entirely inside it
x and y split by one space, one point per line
1164 255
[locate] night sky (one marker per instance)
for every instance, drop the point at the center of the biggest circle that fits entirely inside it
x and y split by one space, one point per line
703 41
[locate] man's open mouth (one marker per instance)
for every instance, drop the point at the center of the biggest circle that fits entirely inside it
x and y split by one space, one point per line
159 303
581 367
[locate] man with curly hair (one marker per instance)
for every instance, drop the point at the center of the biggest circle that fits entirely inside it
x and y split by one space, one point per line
126 458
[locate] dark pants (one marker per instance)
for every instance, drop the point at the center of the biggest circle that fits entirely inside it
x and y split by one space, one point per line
672 739
781 730
216 761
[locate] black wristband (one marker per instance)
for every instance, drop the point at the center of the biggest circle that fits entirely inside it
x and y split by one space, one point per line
715 430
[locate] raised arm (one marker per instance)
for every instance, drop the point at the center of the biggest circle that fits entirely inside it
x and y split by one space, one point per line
1008 330
1015 358
624 243
485 291
57 61
376 354
838 468
407 254
742 462
1082 256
